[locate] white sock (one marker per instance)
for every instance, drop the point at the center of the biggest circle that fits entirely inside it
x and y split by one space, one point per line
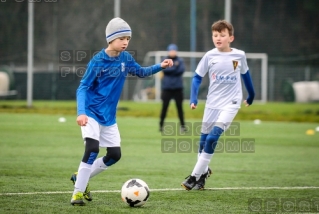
206 167
198 154
82 178
202 164
97 167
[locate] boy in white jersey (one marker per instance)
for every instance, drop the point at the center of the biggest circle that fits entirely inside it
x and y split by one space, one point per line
224 65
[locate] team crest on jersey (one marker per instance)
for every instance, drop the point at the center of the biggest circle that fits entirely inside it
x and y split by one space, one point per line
235 64
122 66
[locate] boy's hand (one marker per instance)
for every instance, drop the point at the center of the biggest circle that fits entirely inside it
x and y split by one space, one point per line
167 63
193 106
82 120
246 104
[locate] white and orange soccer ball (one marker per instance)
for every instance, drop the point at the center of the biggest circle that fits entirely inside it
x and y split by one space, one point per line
135 192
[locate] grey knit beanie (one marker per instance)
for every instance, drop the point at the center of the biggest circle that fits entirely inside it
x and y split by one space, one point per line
116 28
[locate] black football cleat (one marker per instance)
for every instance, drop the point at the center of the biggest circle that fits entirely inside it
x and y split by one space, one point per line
200 184
189 183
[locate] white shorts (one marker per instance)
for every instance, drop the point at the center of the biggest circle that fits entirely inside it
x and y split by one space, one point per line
108 136
217 117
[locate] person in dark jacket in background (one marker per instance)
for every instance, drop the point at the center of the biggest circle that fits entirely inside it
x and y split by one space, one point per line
172 86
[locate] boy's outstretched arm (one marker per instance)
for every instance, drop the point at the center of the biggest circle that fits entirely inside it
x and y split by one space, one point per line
139 71
176 69
194 90
250 88
167 63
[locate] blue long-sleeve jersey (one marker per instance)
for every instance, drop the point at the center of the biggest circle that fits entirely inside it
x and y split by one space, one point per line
101 86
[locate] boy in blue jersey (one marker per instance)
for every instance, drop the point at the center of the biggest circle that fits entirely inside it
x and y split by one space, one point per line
224 66
97 99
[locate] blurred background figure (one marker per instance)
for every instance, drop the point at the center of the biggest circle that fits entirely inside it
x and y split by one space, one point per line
172 86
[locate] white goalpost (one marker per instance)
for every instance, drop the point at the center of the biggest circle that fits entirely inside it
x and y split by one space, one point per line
257 62
263 71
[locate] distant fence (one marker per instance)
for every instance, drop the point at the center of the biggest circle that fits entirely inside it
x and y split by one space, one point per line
51 85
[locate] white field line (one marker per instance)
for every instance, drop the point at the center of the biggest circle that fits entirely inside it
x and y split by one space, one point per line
161 190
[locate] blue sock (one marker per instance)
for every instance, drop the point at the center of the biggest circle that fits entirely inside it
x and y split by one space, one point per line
212 139
202 142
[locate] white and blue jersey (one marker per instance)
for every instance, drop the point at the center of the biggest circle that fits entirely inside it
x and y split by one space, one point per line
224 70
101 86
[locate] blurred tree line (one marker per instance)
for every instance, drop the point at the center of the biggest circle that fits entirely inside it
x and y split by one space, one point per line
286 30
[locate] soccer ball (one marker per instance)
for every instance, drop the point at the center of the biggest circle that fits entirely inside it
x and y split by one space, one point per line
135 192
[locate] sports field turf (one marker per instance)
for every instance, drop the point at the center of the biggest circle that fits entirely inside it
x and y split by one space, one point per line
39 154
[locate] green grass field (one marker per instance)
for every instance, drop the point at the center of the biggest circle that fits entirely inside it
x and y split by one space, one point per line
289 112
39 154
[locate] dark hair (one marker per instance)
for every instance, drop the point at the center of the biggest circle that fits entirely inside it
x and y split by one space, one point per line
221 25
